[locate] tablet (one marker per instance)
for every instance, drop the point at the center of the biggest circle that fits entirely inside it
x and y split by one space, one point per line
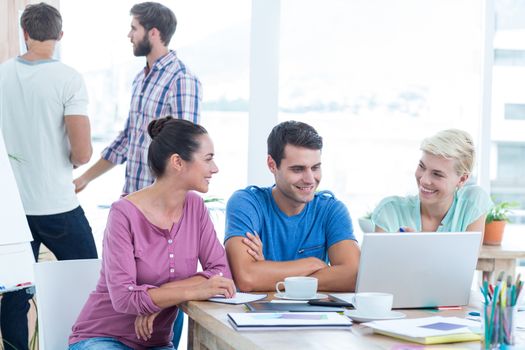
290 307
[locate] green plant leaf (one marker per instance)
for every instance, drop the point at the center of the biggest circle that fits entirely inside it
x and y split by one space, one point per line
500 211
18 159
213 200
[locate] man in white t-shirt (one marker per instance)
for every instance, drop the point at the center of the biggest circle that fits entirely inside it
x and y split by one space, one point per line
43 118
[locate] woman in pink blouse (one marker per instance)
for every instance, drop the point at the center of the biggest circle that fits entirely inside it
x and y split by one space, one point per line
152 243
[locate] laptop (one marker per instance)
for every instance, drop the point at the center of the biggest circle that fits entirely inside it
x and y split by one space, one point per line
421 270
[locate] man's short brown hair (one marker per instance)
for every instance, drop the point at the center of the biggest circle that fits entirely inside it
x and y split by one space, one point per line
41 22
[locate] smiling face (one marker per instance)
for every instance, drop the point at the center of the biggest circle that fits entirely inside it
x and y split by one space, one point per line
202 166
437 179
138 36
296 179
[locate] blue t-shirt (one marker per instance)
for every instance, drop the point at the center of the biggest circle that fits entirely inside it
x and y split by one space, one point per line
470 202
323 222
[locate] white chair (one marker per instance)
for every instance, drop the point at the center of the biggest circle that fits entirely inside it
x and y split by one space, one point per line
62 288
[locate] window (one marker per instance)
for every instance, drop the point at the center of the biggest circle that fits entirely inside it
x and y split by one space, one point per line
212 39
375 78
511 156
509 57
515 111
508 106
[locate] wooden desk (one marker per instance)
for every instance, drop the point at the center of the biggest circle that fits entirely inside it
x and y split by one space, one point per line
493 259
210 329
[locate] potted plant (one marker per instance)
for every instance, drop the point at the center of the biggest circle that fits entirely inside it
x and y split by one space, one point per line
497 216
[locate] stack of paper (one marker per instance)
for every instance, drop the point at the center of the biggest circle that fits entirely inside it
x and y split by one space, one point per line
429 330
288 320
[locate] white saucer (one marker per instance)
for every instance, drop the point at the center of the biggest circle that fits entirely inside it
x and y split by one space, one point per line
283 296
356 316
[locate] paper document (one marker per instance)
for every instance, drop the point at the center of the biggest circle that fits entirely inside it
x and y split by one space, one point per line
239 298
288 320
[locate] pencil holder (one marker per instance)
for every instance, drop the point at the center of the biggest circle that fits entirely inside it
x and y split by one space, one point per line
498 326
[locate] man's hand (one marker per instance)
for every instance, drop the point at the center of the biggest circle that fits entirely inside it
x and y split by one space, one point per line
216 285
144 326
255 246
80 183
97 169
316 264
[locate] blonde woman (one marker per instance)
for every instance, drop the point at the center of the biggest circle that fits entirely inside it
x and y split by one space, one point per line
443 203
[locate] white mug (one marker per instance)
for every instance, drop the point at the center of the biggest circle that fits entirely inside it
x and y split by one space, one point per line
373 304
298 287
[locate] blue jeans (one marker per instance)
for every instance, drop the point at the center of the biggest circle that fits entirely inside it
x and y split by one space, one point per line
69 236
103 343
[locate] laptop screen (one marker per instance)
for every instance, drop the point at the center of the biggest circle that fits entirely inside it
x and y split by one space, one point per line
421 269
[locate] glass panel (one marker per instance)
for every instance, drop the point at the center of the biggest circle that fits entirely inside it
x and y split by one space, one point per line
508 106
375 78
212 39
509 57
514 111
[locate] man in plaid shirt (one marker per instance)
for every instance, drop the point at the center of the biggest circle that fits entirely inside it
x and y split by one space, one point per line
165 87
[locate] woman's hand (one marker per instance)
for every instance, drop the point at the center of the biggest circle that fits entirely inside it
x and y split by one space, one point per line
144 326
216 285
255 246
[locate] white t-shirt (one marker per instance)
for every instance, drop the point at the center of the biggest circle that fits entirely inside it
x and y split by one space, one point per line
34 98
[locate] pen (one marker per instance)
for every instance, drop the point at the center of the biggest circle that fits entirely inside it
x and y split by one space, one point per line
401 229
485 291
23 284
474 316
441 308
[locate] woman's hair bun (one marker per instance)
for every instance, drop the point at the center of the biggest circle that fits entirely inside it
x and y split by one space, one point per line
156 126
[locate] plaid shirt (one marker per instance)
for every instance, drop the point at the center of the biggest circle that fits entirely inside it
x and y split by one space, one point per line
169 88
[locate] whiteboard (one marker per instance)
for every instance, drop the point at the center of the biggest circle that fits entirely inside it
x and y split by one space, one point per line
16 264
13 223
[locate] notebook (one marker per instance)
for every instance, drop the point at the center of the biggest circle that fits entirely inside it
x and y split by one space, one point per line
425 269
288 320
429 330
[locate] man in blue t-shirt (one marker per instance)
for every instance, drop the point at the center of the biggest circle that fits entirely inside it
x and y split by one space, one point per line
289 229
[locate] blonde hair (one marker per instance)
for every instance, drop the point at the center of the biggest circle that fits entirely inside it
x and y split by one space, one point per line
452 144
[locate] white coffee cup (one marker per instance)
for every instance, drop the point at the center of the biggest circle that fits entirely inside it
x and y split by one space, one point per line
298 287
373 304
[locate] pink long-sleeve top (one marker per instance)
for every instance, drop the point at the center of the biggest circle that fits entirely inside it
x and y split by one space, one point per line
138 256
